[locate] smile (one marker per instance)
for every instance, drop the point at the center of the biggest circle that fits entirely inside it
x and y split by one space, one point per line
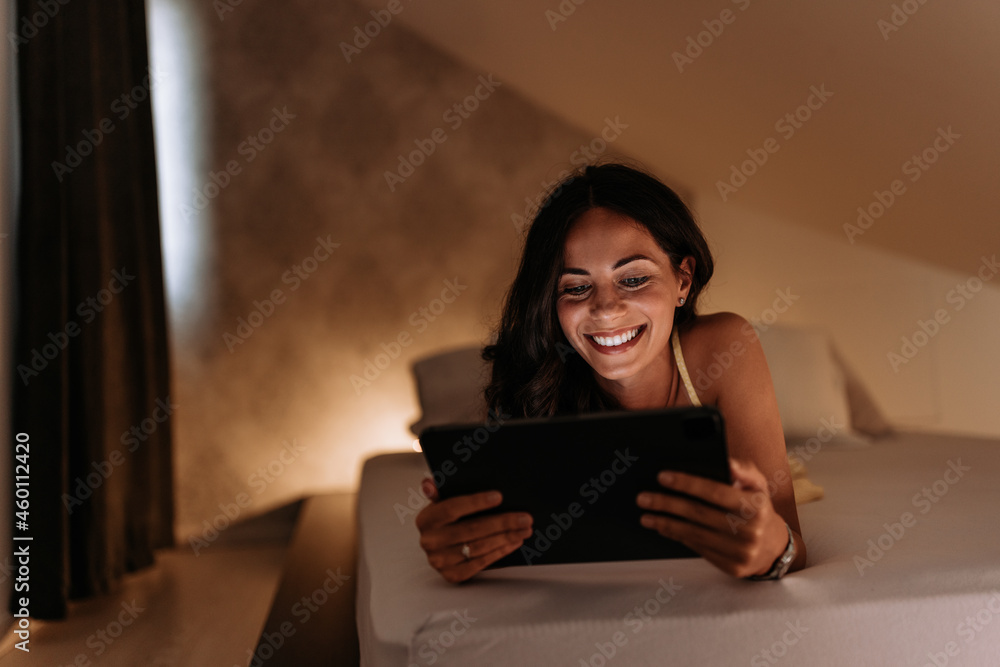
618 339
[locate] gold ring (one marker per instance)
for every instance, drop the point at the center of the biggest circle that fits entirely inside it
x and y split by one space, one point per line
466 551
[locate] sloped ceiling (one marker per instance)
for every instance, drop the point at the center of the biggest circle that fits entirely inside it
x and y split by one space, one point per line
899 75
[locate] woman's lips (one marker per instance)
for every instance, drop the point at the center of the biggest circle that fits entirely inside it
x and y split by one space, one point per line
618 342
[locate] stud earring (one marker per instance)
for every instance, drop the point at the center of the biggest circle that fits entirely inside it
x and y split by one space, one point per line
682 300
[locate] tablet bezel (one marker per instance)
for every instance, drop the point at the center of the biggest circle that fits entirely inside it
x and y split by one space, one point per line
608 457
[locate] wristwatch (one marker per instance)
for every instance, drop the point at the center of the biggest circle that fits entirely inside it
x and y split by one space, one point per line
782 564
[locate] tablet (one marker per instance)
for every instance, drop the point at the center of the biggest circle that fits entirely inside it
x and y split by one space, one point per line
579 476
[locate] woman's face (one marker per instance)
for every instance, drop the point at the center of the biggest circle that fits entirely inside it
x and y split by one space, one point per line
616 298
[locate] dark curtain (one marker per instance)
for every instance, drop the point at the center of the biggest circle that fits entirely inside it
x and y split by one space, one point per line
91 385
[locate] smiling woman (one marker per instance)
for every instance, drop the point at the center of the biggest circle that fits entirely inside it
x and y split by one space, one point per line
604 226
596 318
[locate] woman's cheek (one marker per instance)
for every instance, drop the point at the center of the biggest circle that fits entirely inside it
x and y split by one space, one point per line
565 311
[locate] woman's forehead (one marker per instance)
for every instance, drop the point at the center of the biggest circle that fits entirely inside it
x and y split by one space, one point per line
601 235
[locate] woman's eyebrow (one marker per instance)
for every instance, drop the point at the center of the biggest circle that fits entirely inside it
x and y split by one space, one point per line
619 264
632 258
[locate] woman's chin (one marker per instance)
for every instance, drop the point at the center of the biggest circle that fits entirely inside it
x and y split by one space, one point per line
614 372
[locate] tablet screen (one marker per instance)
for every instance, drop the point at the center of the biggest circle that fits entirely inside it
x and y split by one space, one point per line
579 476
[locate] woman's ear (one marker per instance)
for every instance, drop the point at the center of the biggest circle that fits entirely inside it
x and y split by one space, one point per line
685 275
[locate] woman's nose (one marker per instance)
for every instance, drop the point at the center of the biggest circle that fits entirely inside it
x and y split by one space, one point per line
606 304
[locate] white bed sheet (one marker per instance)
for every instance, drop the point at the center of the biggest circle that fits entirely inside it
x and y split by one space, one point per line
932 597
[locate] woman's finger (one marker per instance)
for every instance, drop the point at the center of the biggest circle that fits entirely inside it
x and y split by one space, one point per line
429 489
700 536
694 511
448 511
463 532
454 555
709 491
746 475
469 568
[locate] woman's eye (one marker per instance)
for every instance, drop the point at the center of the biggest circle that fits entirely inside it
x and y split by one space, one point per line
576 290
634 282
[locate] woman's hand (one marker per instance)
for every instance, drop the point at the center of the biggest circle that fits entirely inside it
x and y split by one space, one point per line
444 532
735 527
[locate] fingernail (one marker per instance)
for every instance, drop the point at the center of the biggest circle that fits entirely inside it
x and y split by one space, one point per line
644 499
494 497
646 520
524 520
666 478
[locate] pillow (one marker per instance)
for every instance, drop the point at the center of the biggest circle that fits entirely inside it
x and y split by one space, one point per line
811 380
450 387
866 417
812 387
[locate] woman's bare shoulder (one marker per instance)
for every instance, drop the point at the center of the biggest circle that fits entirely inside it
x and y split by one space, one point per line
716 332
715 344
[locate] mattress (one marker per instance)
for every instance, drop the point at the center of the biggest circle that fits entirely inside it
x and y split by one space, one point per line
903 568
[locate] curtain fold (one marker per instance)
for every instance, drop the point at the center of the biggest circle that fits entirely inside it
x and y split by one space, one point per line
91 386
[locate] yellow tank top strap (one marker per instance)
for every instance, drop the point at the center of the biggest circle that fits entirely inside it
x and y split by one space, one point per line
675 339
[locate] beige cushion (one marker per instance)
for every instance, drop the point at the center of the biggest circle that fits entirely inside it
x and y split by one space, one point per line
811 381
450 387
818 395
810 387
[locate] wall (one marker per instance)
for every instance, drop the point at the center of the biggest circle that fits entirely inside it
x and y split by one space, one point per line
869 300
288 140
272 323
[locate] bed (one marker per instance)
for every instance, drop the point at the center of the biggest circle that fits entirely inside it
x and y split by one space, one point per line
903 564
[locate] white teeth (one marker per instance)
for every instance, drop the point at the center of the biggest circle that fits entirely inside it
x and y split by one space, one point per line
616 340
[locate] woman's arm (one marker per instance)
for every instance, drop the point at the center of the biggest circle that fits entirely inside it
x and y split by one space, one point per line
742 528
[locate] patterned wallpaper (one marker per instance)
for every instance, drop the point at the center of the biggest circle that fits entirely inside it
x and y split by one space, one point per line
361 204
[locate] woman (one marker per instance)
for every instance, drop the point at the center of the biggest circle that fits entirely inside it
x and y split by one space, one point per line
602 316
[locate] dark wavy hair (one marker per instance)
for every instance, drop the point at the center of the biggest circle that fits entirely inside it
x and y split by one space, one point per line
536 373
